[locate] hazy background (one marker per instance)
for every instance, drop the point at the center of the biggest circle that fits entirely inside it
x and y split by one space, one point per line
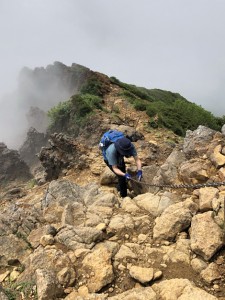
167 44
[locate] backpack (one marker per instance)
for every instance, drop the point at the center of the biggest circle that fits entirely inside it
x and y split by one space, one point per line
108 138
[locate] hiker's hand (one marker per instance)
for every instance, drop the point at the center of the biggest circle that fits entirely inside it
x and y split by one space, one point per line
139 175
127 176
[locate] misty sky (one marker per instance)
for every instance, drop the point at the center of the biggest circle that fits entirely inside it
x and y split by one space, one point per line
176 45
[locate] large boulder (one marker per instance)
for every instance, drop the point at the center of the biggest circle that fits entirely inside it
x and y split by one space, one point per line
155 204
168 172
194 171
197 141
67 203
174 219
206 236
98 263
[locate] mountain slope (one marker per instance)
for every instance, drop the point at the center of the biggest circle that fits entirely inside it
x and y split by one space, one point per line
73 237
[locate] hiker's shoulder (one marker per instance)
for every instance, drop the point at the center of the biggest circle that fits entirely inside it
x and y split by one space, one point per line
111 148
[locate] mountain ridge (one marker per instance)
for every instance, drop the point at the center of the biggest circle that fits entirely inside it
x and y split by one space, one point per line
67 234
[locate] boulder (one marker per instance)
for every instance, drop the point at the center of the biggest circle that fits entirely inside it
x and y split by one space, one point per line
206 197
211 273
223 130
203 228
168 172
197 141
98 265
47 285
217 158
194 171
180 289
143 275
174 219
78 237
108 177
154 204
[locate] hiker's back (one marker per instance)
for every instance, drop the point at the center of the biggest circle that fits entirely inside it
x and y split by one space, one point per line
109 137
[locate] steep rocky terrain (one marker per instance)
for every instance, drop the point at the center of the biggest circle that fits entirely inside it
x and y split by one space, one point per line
73 237
12 168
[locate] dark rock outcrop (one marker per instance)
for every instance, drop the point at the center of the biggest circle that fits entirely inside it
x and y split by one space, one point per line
12 168
31 147
63 153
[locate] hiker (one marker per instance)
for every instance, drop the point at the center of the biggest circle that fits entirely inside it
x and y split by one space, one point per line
114 158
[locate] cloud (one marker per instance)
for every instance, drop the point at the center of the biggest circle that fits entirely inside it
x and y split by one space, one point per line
173 45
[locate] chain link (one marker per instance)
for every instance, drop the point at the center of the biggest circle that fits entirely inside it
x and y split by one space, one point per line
182 186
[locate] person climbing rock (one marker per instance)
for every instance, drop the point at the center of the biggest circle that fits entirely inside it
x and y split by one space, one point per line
114 159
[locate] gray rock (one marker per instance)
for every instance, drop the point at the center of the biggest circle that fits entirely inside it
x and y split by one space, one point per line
223 130
47 285
168 172
174 219
206 236
197 141
12 167
154 204
81 237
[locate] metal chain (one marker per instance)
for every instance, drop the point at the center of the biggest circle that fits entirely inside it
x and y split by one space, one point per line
181 186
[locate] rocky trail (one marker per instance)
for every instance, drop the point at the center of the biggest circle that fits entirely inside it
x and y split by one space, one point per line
73 237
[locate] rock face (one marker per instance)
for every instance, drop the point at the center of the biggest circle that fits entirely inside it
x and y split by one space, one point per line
62 153
12 167
32 146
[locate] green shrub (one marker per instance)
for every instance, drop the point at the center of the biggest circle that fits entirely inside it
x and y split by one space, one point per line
97 85
13 290
181 115
73 112
31 183
115 109
139 105
93 86
114 80
83 105
128 95
137 91
60 114
151 110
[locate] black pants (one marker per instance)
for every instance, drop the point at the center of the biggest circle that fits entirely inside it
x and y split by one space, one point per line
122 182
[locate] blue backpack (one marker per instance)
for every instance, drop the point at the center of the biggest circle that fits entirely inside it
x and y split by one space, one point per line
108 138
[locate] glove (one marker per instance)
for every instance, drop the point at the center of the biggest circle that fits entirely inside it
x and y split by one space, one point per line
127 176
139 175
